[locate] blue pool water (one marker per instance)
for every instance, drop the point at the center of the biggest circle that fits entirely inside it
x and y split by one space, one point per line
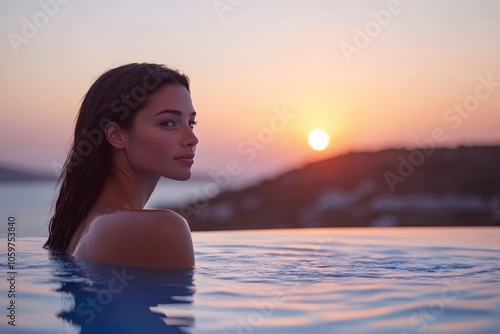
333 280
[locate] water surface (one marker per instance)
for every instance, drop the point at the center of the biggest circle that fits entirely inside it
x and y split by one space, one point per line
343 280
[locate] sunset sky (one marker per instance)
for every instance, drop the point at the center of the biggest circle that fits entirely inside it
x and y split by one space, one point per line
373 74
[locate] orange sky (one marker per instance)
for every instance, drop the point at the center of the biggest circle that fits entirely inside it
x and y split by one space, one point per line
391 87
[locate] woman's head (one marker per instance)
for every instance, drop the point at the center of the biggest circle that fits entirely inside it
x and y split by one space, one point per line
116 96
106 126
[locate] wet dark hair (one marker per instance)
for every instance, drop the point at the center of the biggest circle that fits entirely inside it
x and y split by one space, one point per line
116 96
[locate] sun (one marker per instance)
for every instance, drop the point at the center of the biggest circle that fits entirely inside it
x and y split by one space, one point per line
318 140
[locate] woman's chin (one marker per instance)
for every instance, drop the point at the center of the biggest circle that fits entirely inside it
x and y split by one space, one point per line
179 177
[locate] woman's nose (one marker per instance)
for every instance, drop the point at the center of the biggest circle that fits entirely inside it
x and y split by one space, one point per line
190 139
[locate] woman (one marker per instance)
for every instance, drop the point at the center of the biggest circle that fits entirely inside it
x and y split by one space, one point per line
135 125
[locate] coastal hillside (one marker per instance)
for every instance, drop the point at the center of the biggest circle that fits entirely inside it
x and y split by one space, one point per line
9 174
396 187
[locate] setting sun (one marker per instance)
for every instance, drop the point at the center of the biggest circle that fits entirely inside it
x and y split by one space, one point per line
318 140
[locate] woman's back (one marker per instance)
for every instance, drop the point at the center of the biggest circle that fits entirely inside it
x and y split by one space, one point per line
136 237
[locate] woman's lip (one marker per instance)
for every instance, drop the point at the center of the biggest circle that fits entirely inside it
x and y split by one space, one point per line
186 160
185 156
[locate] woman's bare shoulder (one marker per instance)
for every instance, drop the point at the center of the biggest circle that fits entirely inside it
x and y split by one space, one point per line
138 237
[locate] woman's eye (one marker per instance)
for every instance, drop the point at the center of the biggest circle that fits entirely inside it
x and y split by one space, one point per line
168 124
192 124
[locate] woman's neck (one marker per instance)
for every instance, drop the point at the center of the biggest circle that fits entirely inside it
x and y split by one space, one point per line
125 189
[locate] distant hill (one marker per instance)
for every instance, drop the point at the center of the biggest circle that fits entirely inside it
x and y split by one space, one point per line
395 187
9 174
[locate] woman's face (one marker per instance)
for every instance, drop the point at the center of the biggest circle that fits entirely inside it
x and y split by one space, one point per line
162 141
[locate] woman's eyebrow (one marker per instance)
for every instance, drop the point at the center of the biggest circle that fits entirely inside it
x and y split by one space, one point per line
174 112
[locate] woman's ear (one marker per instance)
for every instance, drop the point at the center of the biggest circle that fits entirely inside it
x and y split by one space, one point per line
115 135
